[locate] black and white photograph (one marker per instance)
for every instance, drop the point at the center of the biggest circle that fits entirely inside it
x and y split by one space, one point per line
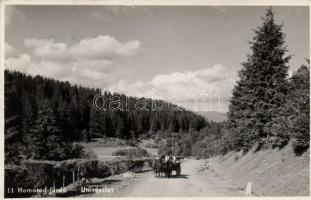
177 100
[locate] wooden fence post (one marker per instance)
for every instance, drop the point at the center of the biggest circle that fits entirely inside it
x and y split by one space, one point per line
64 178
73 176
78 174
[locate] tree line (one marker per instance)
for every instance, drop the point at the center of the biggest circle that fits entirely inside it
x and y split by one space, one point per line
45 117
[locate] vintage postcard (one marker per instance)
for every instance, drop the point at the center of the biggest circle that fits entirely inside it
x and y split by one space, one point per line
155 99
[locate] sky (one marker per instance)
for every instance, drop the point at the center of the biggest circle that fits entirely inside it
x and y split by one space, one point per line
189 55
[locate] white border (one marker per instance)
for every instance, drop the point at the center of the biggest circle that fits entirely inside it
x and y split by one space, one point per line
2 56
158 2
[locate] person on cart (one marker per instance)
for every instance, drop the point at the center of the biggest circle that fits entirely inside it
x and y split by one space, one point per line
167 158
174 159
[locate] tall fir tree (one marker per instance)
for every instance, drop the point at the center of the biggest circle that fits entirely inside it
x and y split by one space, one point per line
27 119
46 140
300 97
96 123
294 123
261 91
13 147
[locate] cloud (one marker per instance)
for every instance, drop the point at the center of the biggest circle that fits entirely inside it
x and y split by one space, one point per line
48 49
105 46
20 63
9 50
25 63
102 47
205 88
95 62
91 62
137 89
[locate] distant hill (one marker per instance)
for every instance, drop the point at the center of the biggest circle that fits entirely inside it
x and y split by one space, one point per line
213 115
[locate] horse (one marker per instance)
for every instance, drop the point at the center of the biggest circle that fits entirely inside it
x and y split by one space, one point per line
169 166
159 167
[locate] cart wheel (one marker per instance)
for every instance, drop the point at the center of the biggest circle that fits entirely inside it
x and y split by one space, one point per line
178 171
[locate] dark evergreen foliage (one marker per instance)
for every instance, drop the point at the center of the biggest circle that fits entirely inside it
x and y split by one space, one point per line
44 116
262 88
266 107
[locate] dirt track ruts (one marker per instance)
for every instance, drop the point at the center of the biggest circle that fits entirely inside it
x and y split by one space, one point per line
193 182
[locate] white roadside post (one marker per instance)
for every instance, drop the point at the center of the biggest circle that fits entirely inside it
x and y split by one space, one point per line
248 189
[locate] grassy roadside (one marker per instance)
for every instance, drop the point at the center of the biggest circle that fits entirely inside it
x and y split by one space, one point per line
272 172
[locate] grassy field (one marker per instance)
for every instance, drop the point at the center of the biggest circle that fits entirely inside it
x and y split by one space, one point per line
104 148
143 143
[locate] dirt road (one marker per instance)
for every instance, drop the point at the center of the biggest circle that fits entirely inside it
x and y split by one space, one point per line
194 181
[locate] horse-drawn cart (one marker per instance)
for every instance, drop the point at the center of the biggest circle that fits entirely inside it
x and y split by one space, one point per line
177 167
165 167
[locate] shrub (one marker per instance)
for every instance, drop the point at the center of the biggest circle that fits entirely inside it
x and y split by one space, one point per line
236 157
88 154
164 149
131 153
39 174
74 150
15 175
103 169
157 140
131 143
149 145
143 136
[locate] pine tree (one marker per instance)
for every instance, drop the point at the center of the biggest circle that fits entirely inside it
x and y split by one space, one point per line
187 151
12 139
46 141
96 124
108 126
298 105
261 91
27 119
13 120
154 125
120 128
